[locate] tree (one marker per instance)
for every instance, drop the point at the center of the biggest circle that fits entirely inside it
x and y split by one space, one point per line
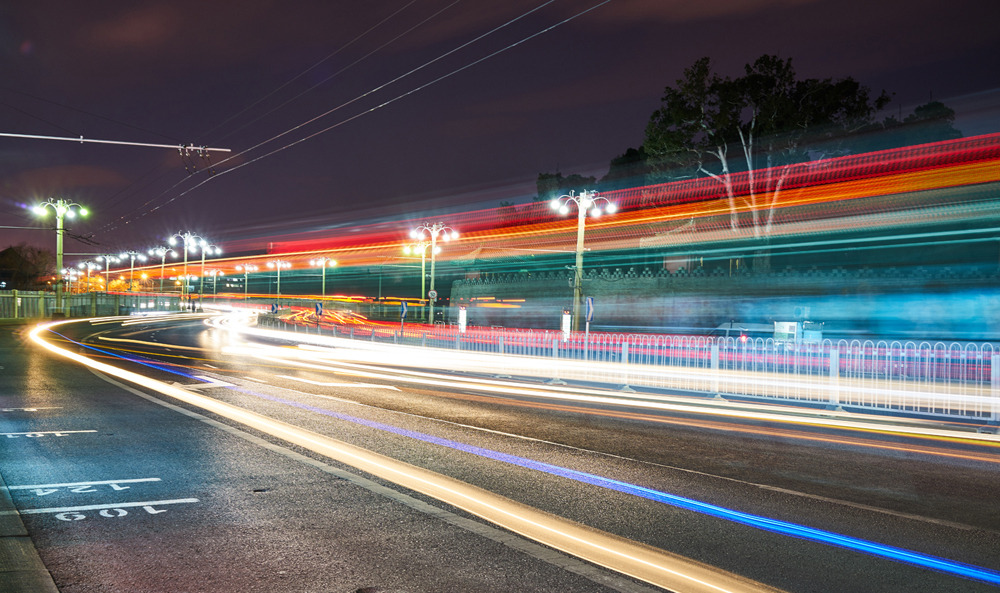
22 267
553 185
768 115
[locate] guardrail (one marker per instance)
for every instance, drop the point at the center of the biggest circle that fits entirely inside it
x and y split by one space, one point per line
955 380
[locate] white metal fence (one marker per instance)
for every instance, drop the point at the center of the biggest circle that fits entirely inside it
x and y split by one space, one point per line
926 378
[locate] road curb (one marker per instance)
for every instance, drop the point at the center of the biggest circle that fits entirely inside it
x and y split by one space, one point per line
21 569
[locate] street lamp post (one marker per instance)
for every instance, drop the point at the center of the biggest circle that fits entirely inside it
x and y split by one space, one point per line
420 246
246 269
431 233
132 256
108 259
162 252
88 266
323 263
215 279
63 209
206 249
278 264
191 242
586 202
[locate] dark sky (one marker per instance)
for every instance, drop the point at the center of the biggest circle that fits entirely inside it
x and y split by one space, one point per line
237 74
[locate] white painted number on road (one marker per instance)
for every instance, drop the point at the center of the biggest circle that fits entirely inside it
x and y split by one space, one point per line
42 433
80 487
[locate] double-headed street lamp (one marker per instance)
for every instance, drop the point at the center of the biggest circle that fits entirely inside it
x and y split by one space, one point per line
63 209
162 252
132 256
206 249
246 269
586 202
324 263
279 264
108 259
191 242
431 233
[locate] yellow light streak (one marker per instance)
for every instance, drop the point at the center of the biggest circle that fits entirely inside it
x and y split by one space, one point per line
639 561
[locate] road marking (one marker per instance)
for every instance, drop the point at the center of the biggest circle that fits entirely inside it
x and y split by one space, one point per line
339 384
30 409
209 382
99 507
205 364
111 483
41 433
255 379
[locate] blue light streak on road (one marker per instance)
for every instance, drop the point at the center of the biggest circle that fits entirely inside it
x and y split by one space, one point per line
137 359
765 523
757 521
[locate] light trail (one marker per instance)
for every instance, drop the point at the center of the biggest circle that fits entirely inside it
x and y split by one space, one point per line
645 563
440 485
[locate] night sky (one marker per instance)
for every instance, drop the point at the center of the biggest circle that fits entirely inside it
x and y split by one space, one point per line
236 75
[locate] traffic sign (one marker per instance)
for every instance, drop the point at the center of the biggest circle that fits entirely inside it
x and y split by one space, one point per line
432 295
319 309
402 310
590 309
274 308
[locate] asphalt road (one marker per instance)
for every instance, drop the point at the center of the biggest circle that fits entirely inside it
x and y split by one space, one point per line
125 489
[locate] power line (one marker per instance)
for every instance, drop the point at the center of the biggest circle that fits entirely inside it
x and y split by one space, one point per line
185 148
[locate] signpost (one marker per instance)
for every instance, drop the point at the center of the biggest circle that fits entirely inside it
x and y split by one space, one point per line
590 314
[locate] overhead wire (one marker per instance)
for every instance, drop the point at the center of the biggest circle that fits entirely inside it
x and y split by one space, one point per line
128 217
385 103
316 65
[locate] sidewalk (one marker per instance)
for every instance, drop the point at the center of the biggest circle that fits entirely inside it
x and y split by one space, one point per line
21 570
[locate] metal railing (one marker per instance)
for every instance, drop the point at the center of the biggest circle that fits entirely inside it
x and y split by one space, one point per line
957 380
18 304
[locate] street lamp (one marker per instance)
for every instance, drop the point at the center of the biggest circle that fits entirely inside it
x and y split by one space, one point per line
278 264
162 252
586 202
323 262
206 249
132 256
246 269
63 209
70 275
215 279
88 266
108 260
191 243
412 249
432 232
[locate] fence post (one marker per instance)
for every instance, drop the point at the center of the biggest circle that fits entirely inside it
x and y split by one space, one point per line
17 301
995 389
835 378
501 345
715 368
624 352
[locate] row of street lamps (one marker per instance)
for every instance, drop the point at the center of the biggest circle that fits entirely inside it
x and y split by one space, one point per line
426 236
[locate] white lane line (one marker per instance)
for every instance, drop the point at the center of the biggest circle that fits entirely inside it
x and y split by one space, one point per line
38 433
30 409
208 365
209 383
75 484
255 379
98 507
339 383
